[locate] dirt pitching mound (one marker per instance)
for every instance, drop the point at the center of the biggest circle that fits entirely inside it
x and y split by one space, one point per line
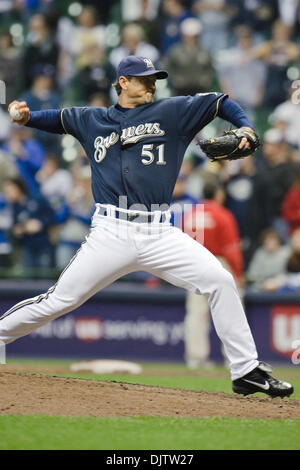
29 393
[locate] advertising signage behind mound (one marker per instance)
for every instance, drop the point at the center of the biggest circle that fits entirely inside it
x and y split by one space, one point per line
110 330
285 329
151 328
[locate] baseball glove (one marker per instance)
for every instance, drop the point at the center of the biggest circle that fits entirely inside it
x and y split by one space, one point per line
226 147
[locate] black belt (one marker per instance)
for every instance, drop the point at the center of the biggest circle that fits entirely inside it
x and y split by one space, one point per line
138 217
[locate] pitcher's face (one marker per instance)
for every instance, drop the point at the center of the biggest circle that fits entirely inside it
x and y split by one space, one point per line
141 89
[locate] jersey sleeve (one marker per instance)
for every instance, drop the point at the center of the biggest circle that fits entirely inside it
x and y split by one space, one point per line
195 112
75 122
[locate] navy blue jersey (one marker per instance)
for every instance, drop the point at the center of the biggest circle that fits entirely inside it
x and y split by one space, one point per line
138 153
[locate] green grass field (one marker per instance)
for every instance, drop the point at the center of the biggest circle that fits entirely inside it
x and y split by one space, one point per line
152 433
148 433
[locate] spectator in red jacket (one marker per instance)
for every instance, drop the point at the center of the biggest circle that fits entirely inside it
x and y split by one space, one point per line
215 226
291 205
218 229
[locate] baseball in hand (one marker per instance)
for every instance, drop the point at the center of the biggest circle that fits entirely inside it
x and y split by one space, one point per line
15 114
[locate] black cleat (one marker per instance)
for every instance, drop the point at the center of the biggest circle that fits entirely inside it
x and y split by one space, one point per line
258 380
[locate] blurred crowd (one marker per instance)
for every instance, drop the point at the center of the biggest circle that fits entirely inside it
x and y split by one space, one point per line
56 54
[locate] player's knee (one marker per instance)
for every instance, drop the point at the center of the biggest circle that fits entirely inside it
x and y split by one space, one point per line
225 278
219 277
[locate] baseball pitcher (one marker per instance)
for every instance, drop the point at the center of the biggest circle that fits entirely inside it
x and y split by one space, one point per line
135 149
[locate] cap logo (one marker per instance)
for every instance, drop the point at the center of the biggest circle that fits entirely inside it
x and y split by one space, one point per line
149 64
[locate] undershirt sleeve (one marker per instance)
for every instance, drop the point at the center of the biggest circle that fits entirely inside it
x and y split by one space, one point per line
234 113
48 120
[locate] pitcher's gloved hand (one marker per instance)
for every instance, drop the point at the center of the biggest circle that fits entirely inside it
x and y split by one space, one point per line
229 145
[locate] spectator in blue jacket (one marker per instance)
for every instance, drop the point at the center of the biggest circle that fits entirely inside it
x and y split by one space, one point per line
43 95
182 202
174 14
31 219
78 218
28 155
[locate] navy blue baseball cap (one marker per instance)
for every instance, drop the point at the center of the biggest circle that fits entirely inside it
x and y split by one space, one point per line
139 67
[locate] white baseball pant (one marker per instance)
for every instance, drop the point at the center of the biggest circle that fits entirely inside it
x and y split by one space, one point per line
197 327
117 247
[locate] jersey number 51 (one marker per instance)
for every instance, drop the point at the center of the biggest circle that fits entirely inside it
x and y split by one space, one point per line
147 151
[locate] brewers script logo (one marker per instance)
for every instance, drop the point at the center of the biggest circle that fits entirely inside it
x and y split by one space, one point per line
131 135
